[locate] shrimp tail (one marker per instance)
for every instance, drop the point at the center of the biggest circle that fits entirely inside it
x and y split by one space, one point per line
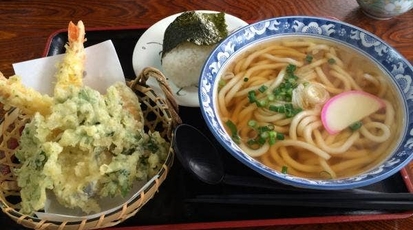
71 68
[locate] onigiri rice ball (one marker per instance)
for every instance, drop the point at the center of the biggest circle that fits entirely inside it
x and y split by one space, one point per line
183 64
187 43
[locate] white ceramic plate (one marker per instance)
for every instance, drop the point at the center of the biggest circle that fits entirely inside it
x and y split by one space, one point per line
148 49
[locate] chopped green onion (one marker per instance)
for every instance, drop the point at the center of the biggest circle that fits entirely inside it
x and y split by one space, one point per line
252 143
284 169
261 103
221 83
287 109
234 131
281 109
245 79
272 137
263 88
356 125
261 140
280 136
291 68
252 96
264 135
273 108
289 114
284 91
309 58
252 123
266 128
288 106
331 61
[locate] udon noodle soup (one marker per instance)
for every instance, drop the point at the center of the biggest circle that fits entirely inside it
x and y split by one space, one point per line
270 99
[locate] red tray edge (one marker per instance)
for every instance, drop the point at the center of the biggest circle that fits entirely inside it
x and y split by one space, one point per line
406 172
270 222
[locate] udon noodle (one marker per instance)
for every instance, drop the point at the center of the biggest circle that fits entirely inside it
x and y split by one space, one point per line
270 99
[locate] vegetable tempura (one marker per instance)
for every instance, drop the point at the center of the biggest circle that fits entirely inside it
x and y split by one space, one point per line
80 144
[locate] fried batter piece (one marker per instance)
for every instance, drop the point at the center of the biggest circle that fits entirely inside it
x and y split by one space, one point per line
130 103
70 70
14 93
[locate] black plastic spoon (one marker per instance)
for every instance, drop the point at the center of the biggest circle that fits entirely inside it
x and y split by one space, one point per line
199 156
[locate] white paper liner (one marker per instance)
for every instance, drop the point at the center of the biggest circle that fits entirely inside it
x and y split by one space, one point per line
102 68
56 212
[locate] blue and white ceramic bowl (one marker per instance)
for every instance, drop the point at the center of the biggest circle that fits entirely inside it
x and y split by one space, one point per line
385 9
400 70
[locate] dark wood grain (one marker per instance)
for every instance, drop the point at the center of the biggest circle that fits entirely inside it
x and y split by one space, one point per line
26 25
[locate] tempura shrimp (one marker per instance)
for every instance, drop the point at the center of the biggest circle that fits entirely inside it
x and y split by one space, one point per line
14 93
29 101
69 73
71 68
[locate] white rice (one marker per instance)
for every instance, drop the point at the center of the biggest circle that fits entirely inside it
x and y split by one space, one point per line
183 64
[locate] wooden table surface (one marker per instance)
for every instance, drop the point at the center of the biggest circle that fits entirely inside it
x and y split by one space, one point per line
26 25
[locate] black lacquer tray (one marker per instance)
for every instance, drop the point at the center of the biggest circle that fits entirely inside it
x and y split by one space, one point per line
168 210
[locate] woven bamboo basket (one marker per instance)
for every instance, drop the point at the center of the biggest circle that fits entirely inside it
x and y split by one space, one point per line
161 114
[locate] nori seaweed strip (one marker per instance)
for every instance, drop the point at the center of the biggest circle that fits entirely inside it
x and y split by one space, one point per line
198 28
